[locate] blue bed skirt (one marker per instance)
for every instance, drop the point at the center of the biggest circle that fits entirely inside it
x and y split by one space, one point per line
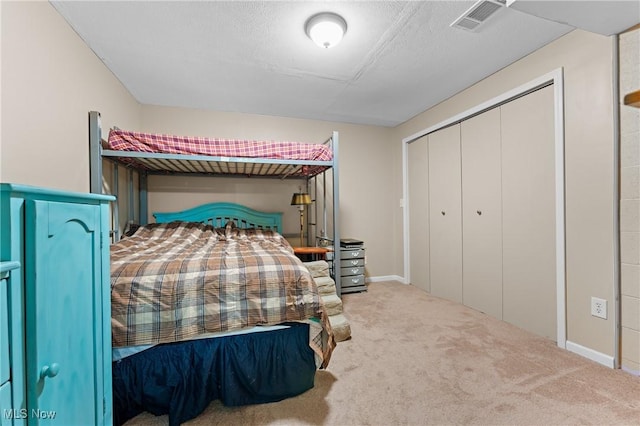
181 379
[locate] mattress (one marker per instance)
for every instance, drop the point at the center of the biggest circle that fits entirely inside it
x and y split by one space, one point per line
121 140
177 281
180 154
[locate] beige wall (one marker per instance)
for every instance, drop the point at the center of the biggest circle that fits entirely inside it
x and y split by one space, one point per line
589 149
630 202
365 186
50 81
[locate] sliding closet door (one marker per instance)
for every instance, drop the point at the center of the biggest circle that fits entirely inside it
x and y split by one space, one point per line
482 213
528 195
445 233
419 213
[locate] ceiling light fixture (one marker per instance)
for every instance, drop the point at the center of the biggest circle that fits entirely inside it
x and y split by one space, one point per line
326 29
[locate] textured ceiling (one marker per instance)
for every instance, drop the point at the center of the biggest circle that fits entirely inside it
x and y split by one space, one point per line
397 58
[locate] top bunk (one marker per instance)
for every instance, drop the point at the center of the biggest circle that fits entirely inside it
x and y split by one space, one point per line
171 154
158 154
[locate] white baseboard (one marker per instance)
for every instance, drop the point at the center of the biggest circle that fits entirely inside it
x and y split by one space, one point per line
596 356
630 371
385 278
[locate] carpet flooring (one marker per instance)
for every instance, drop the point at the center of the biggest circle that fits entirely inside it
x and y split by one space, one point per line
414 359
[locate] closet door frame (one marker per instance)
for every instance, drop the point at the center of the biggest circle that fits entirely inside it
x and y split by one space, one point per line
554 78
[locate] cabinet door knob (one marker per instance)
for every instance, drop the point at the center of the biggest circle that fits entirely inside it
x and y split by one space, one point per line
479 212
50 370
442 212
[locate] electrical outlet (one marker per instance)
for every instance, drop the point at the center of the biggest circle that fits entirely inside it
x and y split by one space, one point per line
599 307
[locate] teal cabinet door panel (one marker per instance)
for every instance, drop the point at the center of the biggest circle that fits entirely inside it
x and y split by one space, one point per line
55 263
63 312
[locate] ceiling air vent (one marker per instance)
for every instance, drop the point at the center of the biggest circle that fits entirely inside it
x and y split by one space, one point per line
478 14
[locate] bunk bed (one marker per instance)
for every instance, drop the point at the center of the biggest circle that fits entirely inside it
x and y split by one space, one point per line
179 370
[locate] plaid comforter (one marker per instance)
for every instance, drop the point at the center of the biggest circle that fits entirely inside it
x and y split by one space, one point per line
121 140
176 281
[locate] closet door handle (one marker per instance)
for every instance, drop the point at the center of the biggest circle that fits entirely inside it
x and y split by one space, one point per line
479 212
50 370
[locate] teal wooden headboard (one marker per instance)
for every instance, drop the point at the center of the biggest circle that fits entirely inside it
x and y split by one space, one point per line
218 214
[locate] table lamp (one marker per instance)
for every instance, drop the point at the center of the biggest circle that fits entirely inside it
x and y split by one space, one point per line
301 199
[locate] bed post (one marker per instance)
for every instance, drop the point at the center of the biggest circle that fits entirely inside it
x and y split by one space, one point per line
130 209
142 193
115 190
336 216
95 148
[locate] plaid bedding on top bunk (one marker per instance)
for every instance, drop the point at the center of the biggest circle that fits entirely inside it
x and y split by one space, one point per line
175 281
120 140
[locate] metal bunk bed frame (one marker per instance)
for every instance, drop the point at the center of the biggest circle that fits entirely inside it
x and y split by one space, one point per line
209 166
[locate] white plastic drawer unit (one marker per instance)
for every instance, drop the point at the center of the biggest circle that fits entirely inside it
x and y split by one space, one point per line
352 264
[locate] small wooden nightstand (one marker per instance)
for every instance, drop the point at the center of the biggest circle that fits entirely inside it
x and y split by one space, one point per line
633 99
313 253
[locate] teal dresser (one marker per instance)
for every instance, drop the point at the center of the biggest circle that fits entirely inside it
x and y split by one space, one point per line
6 386
55 308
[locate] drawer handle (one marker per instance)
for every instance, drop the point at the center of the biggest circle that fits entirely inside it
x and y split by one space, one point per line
355 280
354 262
354 253
443 213
50 370
479 212
354 271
